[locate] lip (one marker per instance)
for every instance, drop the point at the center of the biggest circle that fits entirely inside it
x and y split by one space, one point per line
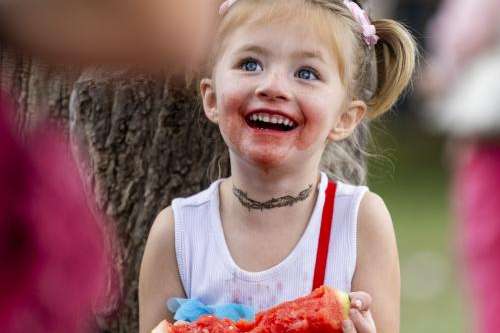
272 112
262 132
270 132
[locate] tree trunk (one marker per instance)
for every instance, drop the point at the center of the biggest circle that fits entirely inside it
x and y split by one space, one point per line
37 91
142 140
146 146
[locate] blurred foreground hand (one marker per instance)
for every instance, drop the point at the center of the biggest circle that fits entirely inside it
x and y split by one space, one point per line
147 32
55 267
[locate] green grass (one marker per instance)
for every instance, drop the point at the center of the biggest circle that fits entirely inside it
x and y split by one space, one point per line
414 188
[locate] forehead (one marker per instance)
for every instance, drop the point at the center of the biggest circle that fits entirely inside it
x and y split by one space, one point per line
279 39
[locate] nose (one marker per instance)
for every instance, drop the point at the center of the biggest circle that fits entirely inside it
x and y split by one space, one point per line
274 87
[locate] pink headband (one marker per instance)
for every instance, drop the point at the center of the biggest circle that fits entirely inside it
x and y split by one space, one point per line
369 31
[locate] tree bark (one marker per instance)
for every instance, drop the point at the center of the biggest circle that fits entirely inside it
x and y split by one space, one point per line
37 91
141 141
146 145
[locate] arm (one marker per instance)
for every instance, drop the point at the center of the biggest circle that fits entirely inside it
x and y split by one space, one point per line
159 276
377 268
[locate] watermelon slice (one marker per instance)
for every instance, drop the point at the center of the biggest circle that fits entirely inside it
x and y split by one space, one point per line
321 311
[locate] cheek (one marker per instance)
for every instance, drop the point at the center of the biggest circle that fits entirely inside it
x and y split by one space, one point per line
320 118
312 133
231 103
231 107
231 97
230 128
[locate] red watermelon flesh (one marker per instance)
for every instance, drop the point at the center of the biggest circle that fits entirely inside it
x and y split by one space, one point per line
321 311
207 324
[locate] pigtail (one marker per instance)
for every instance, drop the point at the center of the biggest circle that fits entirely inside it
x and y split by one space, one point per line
396 54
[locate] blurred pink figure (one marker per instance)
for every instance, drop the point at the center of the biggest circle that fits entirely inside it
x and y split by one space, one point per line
461 30
52 252
477 207
463 78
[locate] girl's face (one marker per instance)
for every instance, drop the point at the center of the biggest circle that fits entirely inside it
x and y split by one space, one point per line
277 95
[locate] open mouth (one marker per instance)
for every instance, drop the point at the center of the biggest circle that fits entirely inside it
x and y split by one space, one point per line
262 120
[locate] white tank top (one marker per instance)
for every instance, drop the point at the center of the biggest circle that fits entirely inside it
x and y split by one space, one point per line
209 273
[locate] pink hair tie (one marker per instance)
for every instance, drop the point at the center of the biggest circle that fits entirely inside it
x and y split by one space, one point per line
369 30
225 6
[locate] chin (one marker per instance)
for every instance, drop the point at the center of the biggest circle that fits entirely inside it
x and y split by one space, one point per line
266 159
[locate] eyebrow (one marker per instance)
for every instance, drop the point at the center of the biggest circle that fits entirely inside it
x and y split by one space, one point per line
253 48
316 54
309 54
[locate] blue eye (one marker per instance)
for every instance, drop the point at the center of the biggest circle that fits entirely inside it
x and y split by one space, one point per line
307 74
250 65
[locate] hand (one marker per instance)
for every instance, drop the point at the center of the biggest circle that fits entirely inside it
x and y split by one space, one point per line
360 318
149 32
162 327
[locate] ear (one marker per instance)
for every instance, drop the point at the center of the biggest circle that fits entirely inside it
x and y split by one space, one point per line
348 120
207 90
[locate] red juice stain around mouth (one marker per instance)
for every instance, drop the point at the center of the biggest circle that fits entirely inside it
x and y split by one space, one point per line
308 135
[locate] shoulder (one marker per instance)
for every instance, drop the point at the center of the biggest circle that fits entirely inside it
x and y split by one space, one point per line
159 277
377 265
162 229
376 240
373 207
160 246
375 226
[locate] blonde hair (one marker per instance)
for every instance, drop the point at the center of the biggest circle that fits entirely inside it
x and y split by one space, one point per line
377 75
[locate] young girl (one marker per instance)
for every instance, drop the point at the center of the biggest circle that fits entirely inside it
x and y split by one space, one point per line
292 82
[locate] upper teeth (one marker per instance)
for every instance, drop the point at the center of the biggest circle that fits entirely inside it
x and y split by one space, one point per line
275 119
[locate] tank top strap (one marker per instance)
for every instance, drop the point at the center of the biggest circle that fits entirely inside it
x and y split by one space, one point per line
342 253
324 236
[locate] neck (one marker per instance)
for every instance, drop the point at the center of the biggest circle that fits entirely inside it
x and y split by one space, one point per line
283 201
265 184
262 185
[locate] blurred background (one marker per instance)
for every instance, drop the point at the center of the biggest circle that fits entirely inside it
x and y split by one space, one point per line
128 128
413 177
416 190
441 144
